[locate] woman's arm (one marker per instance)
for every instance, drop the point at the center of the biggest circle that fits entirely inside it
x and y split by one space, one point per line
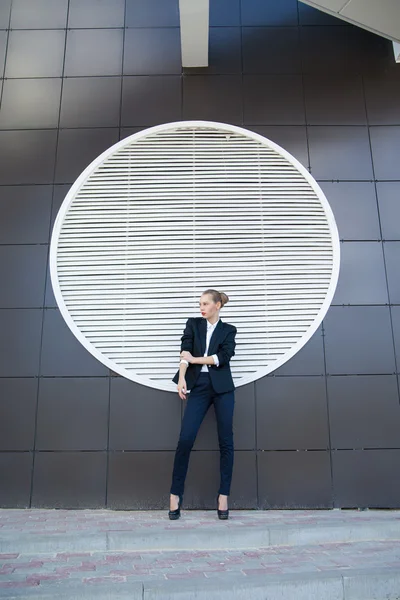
227 349
225 353
188 336
202 360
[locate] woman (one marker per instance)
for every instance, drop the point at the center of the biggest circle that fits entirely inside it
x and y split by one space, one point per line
208 344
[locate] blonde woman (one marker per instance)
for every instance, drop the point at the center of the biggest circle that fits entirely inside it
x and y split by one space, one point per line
207 346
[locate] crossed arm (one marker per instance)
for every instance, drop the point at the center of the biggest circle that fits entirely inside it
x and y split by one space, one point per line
223 356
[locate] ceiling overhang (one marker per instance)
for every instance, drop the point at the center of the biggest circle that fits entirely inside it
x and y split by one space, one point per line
379 16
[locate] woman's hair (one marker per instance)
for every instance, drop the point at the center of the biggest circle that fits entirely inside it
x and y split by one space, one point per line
217 296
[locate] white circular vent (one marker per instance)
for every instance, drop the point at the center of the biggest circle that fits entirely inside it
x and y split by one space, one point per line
178 208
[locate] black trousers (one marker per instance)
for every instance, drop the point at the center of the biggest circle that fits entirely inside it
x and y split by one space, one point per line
199 401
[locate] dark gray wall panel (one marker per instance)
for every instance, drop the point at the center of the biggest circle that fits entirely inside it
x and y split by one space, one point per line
212 98
273 100
381 95
340 153
307 361
244 481
385 142
366 478
22 273
152 13
44 59
358 340
396 332
355 209
142 418
17 413
294 479
60 191
291 413
25 214
154 51
269 12
30 103
91 102
35 150
62 354
271 50
392 258
362 275
96 13
72 414
20 342
141 100
39 14
331 49
389 208
15 477
334 99
364 411
93 52
5 13
69 480
59 194
3 45
377 58
225 12
139 480
126 131
78 147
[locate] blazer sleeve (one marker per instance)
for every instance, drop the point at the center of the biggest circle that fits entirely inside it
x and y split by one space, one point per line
227 348
188 336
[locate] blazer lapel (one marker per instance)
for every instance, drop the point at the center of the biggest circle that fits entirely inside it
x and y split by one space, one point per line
203 335
216 335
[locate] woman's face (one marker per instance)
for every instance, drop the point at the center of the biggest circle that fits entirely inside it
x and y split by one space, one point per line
208 307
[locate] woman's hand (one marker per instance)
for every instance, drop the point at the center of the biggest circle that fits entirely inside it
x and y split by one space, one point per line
182 388
187 356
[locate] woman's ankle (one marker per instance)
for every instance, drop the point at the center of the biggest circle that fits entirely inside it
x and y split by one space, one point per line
222 501
173 501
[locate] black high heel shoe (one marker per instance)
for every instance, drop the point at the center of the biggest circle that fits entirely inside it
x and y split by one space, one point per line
222 514
175 514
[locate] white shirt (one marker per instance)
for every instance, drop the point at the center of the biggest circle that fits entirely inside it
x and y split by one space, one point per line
210 329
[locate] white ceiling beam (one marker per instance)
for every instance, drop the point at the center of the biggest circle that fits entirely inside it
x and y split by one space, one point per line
396 50
194 20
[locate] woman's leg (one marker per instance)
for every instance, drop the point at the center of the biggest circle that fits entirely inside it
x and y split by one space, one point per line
198 403
224 406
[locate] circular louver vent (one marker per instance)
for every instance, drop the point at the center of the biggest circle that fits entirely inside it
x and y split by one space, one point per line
178 208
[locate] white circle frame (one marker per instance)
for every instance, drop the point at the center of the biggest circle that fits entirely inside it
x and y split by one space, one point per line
222 127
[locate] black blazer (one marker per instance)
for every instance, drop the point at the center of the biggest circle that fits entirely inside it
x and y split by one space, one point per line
222 343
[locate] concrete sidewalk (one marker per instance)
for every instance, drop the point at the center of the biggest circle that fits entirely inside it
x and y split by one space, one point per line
268 555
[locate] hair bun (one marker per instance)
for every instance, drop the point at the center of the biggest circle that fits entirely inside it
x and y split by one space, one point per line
224 298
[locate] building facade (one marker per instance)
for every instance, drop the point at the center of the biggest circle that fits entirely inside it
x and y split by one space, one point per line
321 431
